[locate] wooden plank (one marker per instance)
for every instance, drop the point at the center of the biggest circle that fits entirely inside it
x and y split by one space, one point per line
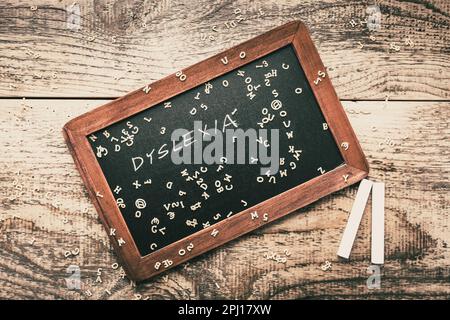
122 45
42 198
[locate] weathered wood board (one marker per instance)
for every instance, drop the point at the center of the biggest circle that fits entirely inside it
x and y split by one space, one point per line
43 199
120 45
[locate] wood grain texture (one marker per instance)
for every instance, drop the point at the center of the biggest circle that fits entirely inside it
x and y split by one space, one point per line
123 44
42 198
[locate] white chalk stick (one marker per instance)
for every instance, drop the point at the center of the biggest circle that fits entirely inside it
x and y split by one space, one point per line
354 219
377 251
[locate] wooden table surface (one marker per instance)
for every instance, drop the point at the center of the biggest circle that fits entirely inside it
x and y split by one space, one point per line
394 84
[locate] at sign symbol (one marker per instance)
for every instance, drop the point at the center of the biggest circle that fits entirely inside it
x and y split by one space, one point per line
140 203
276 104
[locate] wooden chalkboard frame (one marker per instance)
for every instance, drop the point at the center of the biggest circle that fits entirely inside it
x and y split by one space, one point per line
141 267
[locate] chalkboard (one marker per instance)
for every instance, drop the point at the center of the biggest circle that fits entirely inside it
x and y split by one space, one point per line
172 171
